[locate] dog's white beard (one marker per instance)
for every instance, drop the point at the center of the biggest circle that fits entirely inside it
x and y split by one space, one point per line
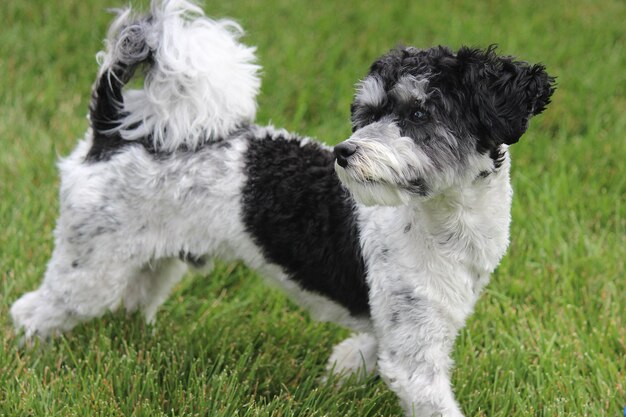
373 193
378 195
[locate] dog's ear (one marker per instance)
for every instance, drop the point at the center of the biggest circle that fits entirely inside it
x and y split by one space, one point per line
506 93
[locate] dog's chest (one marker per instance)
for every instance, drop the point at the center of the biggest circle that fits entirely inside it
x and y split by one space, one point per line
403 254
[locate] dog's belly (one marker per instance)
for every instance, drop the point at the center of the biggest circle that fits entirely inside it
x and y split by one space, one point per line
321 307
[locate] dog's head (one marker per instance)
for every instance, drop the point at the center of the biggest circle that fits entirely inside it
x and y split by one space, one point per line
427 120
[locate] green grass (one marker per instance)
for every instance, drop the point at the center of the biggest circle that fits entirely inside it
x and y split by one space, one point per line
548 337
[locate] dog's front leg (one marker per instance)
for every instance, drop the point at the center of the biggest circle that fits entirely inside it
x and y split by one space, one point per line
415 340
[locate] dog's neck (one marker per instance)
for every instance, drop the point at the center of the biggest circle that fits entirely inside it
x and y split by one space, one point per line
470 223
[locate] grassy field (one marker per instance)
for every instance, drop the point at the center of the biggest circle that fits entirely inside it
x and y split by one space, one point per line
549 335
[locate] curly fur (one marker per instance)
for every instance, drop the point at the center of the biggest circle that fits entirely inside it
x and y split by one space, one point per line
201 83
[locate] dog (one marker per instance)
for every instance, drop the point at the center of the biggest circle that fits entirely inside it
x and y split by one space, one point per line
393 233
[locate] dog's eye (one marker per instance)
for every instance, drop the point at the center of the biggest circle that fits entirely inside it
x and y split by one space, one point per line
418 115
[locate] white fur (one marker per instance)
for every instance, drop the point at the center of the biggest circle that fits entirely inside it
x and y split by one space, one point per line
429 260
356 355
371 92
411 89
203 84
111 243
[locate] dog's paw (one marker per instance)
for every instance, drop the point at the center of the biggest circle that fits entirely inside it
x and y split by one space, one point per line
356 355
34 316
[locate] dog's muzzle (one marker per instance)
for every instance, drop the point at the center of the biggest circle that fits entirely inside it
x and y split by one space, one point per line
343 152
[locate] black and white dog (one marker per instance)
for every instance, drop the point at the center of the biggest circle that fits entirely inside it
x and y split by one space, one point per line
393 233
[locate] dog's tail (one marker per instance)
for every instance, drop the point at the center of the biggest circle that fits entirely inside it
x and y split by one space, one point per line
200 83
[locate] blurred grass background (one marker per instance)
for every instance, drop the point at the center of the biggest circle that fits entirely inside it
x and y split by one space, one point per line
548 337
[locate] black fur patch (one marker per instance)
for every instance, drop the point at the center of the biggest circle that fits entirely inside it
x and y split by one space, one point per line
104 147
191 259
303 219
105 110
105 114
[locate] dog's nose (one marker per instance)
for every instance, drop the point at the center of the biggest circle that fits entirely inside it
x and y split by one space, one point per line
343 151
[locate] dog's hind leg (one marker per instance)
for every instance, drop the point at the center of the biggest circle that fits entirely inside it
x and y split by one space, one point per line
149 288
75 289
